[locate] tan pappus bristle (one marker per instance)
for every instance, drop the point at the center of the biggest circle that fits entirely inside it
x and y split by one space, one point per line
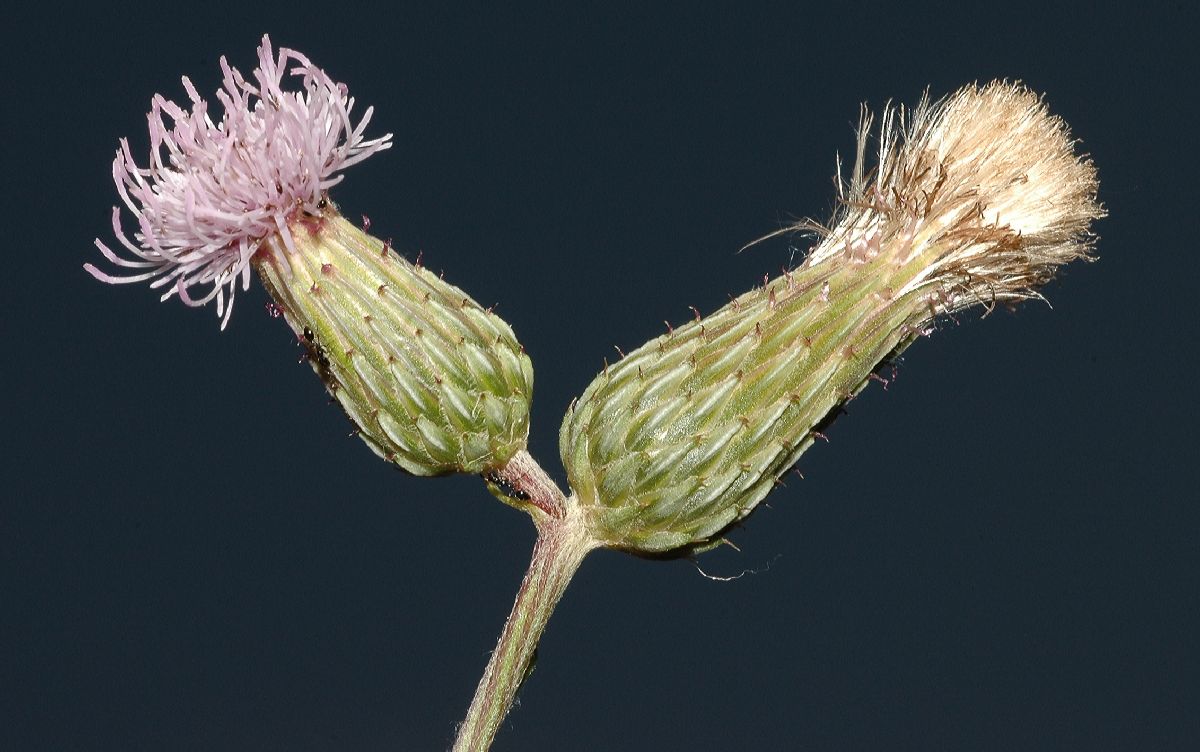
981 195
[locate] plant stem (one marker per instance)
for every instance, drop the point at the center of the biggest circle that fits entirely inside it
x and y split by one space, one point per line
522 483
561 545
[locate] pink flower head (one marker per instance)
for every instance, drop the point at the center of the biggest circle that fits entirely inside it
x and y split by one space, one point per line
213 192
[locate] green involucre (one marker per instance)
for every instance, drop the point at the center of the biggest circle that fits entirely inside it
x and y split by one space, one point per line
684 436
432 380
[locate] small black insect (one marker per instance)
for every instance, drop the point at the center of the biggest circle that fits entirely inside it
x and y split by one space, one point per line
316 353
506 488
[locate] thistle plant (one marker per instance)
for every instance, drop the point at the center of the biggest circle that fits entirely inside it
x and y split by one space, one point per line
973 200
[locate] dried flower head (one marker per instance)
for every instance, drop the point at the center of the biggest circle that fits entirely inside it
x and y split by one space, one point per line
214 191
983 187
975 199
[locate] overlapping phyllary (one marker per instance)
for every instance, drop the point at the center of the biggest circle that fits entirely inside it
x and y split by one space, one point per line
972 200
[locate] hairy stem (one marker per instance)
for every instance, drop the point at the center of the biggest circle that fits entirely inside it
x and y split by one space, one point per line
522 483
561 545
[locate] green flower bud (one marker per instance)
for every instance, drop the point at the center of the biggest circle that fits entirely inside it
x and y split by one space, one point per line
977 199
433 381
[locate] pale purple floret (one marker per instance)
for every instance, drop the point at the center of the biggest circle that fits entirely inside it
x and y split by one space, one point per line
213 192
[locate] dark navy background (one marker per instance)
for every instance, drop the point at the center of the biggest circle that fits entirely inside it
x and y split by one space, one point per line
1000 552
